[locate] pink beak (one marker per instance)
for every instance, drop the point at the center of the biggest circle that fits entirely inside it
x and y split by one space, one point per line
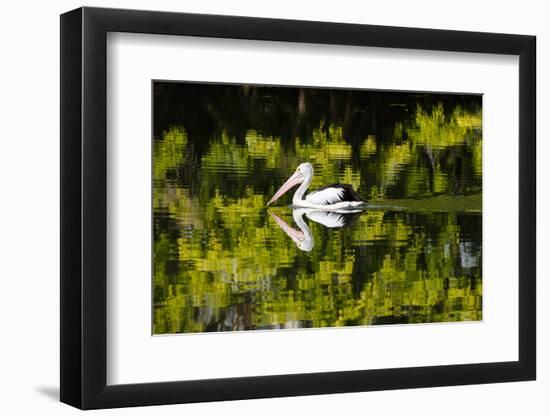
295 179
296 235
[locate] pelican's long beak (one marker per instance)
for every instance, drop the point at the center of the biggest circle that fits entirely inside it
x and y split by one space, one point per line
296 235
295 179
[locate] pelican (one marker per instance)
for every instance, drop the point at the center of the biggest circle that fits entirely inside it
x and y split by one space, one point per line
303 238
331 197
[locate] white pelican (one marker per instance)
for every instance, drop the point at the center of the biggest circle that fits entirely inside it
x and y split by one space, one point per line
331 197
303 238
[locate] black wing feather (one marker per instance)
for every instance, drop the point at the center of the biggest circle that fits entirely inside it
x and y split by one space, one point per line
349 193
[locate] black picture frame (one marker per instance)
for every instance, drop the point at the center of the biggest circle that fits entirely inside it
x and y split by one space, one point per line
84 207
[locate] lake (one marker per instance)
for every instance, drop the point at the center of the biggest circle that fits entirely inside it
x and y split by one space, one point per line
225 261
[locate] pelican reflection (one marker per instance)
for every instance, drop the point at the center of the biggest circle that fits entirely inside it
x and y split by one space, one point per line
302 236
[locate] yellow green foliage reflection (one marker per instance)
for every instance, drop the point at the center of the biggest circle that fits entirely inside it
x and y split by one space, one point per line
222 264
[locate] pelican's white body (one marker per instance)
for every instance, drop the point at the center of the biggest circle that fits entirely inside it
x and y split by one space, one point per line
317 199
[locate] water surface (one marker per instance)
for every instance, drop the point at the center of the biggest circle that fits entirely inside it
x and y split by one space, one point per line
223 261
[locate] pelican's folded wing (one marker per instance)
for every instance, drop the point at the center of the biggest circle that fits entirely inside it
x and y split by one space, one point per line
332 194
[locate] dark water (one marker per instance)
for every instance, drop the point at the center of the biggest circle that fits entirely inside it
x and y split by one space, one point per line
223 261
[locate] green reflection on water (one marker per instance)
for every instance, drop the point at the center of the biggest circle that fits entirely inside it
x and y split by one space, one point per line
221 261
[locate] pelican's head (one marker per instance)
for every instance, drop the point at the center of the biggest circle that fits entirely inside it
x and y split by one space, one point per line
304 172
306 169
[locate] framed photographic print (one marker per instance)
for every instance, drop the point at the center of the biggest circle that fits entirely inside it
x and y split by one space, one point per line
257 208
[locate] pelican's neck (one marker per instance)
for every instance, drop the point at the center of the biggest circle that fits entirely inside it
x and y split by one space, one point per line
299 194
